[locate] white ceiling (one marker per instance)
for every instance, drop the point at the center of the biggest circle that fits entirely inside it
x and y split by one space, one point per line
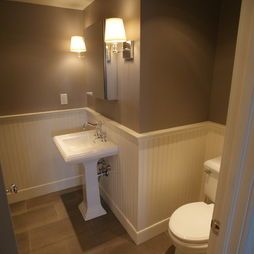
70 4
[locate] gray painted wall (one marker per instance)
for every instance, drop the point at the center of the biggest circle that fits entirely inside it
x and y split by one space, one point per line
178 42
224 60
36 65
187 53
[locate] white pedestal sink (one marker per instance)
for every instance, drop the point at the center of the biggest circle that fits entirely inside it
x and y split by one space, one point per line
92 208
82 147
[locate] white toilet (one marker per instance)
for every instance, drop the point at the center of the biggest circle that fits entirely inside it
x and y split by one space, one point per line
189 225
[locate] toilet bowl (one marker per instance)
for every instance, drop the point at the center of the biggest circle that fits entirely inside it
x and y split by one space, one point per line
189 225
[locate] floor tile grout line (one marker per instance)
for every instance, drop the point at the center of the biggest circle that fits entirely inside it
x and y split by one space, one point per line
56 242
27 228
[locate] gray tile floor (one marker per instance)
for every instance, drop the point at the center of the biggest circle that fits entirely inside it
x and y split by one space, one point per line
44 226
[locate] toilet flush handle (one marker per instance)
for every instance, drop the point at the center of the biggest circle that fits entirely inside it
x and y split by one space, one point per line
215 226
207 171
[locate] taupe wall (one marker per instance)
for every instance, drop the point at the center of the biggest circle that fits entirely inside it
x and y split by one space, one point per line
36 65
126 109
171 86
178 41
224 60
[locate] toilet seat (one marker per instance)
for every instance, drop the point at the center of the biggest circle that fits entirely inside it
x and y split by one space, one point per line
190 223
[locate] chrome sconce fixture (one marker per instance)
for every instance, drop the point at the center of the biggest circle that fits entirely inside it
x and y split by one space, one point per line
78 45
116 41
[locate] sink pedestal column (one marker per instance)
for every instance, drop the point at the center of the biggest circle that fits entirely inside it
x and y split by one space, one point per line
92 208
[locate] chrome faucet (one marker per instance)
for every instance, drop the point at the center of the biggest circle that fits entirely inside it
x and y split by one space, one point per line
98 130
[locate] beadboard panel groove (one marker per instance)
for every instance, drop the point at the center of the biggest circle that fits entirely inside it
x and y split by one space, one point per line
28 155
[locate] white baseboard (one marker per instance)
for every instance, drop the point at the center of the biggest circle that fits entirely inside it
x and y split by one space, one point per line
43 189
120 215
137 236
152 231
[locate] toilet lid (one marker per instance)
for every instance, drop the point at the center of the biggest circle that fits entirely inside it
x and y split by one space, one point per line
191 222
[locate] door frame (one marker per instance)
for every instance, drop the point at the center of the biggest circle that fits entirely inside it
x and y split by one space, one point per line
234 206
7 237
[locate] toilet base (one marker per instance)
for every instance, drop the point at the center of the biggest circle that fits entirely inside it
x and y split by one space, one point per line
188 248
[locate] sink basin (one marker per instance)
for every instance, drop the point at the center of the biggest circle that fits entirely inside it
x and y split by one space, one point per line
83 146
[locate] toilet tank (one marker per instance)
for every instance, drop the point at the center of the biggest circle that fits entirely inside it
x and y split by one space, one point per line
212 169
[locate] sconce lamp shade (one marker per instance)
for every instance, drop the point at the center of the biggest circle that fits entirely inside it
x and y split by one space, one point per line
114 30
77 44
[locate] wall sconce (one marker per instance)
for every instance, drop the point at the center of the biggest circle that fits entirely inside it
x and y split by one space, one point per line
115 35
78 45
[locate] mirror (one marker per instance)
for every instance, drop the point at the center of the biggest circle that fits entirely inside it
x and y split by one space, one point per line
101 66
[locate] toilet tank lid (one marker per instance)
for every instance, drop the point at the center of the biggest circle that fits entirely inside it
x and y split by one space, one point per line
213 164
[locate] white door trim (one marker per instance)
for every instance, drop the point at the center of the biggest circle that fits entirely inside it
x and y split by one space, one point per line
7 237
235 201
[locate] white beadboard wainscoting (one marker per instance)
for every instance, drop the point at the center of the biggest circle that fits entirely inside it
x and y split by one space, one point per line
29 157
156 172
214 140
170 174
153 174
